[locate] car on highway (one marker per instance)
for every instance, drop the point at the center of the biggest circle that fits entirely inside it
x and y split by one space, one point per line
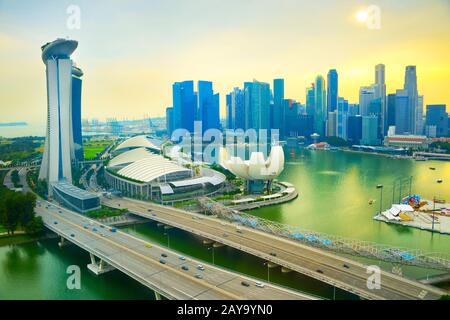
319 271
154 214
72 235
164 255
198 276
259 284
60 211
162 261
94 229
201 267
273 254
149 210
245 284
102 226
225 235
55 222
185 268
113 229
85 226
102 234
182 258
346 266
148 245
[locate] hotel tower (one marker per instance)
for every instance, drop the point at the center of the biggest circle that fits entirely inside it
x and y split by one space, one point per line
59 147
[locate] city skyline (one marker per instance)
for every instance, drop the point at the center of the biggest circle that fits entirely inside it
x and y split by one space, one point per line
124 82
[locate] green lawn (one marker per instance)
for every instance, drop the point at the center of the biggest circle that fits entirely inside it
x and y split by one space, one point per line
92 148
2 229
105 212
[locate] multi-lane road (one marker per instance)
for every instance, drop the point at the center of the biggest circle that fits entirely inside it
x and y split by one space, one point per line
341 272
162 270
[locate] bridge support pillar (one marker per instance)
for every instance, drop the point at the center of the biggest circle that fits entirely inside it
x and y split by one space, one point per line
157 296
63 242
100 267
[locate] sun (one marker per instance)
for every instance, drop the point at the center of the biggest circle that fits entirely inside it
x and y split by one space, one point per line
361 16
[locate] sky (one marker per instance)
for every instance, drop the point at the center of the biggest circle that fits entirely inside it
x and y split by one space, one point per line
132 51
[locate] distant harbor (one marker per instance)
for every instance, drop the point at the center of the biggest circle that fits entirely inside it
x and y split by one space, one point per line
13 124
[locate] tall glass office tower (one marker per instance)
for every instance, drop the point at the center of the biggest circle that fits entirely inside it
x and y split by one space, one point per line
320 106
332 93
184 105
207 106
278 120
58 149
411 88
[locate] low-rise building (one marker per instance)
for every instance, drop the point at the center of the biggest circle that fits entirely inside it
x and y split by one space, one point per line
74 198
407 141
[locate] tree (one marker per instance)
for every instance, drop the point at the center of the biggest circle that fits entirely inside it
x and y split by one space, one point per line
16 209
36 225
10 216
15 178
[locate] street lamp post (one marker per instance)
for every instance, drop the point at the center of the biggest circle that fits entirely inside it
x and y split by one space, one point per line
434 207
212 249
168 239
393 192
380 186
268 271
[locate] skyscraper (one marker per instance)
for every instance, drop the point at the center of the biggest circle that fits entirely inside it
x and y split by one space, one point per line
247 104
370 130
278 109
207 109
380 94
419 116
169 121
390 111
438 118
257 105
184 105
310 103
342 114
290 123
237 109
320 106
229 115
332 90
366 95
78 153
402 112
332 124
411 88
58 148
354 129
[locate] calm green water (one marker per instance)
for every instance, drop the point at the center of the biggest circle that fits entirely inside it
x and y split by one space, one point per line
335 188
334 191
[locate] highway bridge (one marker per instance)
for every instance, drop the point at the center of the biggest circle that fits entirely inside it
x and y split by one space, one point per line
319 264
162 270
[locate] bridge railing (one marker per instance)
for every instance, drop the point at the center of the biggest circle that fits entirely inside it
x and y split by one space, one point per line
335 243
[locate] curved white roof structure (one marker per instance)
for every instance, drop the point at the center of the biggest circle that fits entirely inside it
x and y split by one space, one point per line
129 157
257 168
149 169
142 165
141 141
